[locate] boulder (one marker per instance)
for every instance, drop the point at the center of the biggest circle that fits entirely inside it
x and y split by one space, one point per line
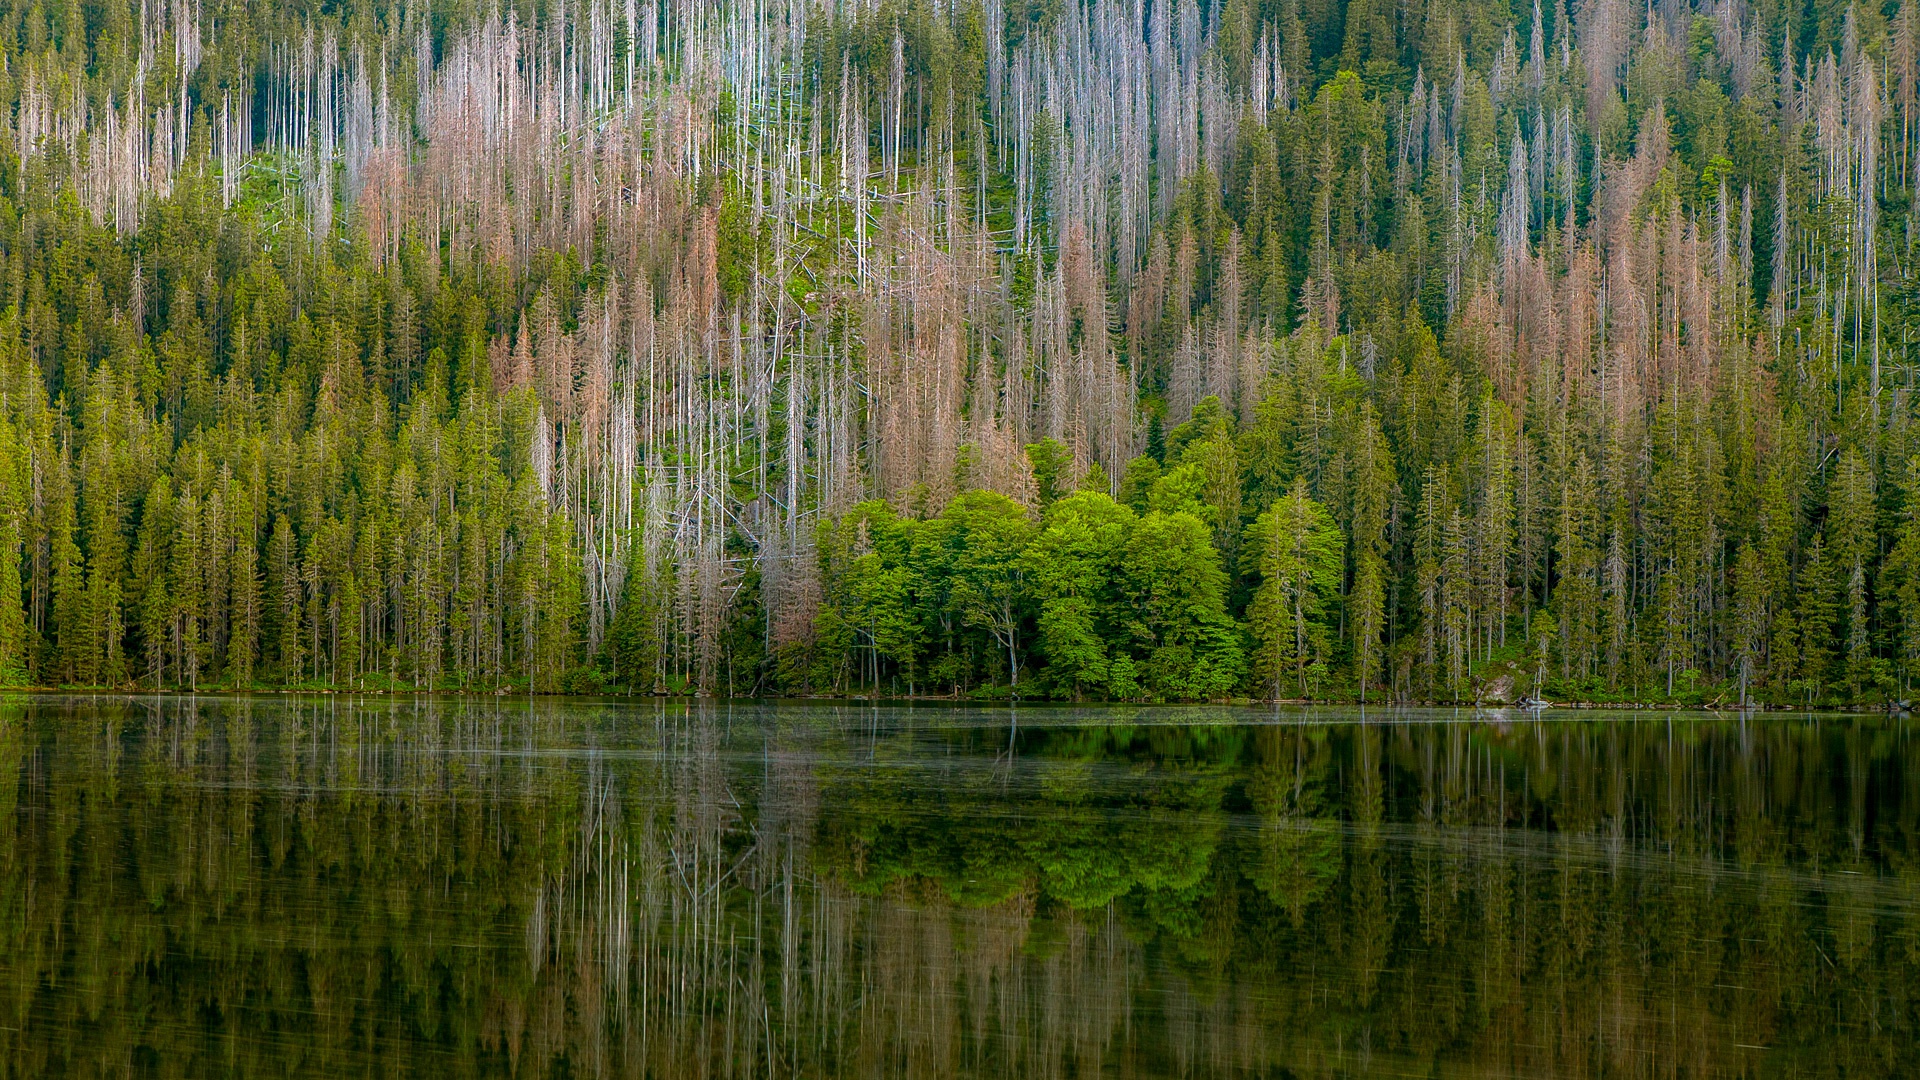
1499 690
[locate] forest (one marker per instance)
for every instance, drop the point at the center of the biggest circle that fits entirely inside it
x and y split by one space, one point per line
1145 350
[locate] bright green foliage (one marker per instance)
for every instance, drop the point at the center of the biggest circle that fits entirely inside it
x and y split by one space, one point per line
1295 549
1208 475
74 645
877 588
1267 445
1073 567
1182 489
1173 609
982 537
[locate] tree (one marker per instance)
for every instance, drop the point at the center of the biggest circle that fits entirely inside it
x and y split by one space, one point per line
283 559
881 592
1576 594
151 562
1819 610
633 644
1136 483
1052 465
1493 523
1268 445
1900 574
1073 567
1375 484
1851 530
1779 526
188 588
243 590
1749 632
1296 547
984 535
1173 612
1369 603
73 638
13 510
1540 641
1210 469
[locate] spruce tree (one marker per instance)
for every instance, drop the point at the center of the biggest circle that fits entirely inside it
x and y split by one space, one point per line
1821 589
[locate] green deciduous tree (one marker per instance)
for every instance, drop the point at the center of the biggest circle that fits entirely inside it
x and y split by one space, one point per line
983 535
1173 609
1073 567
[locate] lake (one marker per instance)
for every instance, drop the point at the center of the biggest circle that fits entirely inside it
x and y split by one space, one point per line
379 887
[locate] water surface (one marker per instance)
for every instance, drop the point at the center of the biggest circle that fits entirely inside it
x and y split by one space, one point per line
334 887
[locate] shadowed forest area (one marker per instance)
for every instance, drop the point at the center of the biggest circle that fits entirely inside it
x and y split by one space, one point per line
1123 349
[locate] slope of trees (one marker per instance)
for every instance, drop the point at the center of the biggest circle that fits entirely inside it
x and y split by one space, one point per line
1094 348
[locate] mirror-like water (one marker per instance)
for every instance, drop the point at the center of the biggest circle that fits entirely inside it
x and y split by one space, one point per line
343 887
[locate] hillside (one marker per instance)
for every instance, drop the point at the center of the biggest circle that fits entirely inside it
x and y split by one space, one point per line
1431 350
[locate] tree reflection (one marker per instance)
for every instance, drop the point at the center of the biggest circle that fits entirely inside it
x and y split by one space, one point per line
511 888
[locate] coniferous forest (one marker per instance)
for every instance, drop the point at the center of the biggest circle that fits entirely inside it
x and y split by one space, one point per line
1129 349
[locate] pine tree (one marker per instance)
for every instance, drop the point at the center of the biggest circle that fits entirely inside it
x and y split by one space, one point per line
1369 621
1779 525
1456 601
13 614
1297 549
1493 527
242 589
1577 592
284 566
1430 549
1748 635
1900 576
74 643
189 581
151 568
1818 611
1851 528
1375 486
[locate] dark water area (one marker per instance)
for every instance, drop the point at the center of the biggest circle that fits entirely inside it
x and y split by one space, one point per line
341 887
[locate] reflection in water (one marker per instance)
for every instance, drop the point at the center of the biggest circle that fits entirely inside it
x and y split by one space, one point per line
247 887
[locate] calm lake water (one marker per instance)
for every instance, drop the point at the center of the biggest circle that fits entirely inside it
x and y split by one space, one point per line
224 887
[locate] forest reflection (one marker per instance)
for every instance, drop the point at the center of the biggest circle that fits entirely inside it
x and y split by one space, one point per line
505 887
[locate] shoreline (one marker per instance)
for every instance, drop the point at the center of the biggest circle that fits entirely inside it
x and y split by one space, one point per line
1889 708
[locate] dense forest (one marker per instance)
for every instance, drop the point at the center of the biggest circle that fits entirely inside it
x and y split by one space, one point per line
1131 349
